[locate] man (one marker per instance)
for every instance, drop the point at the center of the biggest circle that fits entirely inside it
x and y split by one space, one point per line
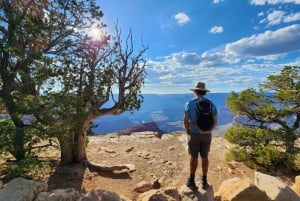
199 141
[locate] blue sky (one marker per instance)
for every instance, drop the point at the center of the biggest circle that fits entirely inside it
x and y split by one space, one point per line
228 44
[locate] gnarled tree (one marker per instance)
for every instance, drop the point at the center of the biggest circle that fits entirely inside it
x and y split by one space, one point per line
60 77
96 75
267 122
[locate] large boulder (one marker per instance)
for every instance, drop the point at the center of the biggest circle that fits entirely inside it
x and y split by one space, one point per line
188 195
102 195
296 185
143 186
166 194
275 189
68 194
236 189
20 189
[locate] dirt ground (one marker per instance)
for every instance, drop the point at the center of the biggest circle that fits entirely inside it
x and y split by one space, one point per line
164 158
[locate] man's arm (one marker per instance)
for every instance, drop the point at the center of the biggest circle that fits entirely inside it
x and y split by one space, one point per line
186 123
215 122
215 117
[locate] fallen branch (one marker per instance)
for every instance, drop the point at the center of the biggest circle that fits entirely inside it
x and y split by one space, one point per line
112 168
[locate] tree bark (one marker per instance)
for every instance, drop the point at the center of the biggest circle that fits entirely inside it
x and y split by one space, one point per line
79 151
19 144
66 146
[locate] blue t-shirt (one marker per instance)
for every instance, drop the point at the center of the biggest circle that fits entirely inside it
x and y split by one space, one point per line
190 109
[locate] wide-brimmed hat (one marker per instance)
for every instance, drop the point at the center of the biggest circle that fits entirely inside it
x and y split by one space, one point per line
200 86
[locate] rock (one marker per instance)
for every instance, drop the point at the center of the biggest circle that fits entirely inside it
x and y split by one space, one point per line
171 148
107 150
275 189
1 184
20 189
155 183
188 195
296 185
68 194
166 136
102 195
167 194
111 168
143 186
129 149
236 189
150 126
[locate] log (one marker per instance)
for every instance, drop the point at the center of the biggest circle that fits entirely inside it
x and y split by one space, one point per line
112 168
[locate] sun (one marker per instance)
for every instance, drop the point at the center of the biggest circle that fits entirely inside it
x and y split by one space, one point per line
96 33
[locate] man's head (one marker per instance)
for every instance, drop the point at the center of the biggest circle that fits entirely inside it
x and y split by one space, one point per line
200 89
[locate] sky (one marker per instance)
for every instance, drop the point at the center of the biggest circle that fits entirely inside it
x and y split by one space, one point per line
230 45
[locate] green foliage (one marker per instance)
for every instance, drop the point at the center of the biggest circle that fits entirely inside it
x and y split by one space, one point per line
13 143
29 168
7 129
296 163
263 158
236 154
268 157
276 103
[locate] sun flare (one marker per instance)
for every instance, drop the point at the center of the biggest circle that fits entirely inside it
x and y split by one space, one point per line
96 33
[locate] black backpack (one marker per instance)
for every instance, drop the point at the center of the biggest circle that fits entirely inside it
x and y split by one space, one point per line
204 114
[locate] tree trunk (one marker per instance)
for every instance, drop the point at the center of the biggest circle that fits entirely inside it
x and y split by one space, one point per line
79 151
19 144
66 150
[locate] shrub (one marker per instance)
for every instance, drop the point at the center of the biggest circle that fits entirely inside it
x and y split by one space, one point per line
30 168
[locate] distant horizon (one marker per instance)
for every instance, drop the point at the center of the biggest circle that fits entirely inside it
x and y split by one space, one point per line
185 93
166 110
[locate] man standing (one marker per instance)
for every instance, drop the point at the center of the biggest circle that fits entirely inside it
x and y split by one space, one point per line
199 140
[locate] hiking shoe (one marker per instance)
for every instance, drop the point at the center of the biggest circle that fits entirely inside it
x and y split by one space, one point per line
204 183
191 184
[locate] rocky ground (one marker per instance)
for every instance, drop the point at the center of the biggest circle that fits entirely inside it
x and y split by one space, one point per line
163 159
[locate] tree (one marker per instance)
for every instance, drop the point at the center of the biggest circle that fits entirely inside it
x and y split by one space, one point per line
55 73
268 120
92 77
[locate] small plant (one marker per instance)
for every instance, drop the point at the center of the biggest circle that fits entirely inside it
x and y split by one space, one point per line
30 168
236 154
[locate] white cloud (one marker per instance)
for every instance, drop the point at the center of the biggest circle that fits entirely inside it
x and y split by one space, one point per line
260 14
216 29
257 2
212 58
275 17
217 1
185 58
182 18
263 2
269 43
292 17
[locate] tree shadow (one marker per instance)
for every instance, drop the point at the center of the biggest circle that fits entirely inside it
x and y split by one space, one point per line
72 176
67 176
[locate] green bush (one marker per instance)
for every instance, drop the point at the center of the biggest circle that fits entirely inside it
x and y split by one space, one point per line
297 163
268 157
236 154
264 158
30 168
